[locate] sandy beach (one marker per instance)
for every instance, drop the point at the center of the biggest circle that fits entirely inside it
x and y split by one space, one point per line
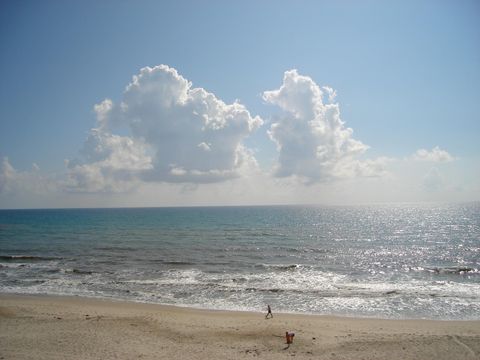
44 327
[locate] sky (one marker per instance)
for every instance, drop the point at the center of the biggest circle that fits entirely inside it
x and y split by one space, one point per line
192 103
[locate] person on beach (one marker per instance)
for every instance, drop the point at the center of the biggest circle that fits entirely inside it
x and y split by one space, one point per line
289 337
269 312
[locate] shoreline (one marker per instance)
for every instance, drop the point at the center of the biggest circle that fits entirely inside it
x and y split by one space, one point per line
58 327
199 308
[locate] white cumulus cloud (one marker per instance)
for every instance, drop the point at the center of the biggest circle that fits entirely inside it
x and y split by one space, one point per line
312 140
435 155
178 133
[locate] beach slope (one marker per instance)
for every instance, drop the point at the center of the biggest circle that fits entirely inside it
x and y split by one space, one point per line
41 327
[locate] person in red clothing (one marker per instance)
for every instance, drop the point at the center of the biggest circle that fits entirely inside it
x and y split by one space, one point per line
289 337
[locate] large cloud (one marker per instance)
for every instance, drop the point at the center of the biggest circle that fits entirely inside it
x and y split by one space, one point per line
177 134
312 140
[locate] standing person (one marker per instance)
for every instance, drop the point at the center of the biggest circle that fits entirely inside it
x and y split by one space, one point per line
269 312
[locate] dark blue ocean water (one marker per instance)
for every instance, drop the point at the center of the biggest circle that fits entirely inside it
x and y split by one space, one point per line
390 261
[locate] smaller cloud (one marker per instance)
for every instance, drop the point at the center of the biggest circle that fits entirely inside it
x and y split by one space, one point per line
312 140
436 155
13 181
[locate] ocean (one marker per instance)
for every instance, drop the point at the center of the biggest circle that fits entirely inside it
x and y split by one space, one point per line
385 261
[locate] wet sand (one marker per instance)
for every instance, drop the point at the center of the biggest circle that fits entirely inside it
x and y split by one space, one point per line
46 327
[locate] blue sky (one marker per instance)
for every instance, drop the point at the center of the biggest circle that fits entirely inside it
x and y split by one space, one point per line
406 77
